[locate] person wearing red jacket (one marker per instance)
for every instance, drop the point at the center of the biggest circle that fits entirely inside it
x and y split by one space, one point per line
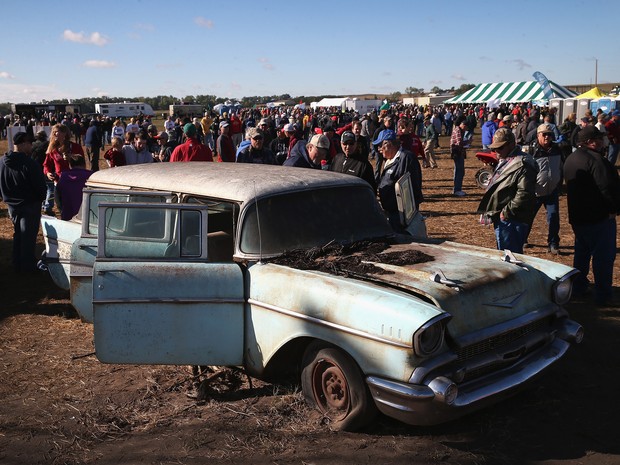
236 130
58 152
192 149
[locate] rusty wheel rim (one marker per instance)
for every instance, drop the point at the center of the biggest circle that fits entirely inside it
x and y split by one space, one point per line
331 390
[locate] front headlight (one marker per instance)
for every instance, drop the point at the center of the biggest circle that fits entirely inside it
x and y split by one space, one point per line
563 288
429 338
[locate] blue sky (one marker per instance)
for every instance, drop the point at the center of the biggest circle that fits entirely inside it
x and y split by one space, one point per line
131 48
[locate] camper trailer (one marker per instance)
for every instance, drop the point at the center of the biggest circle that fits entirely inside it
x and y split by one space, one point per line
125 109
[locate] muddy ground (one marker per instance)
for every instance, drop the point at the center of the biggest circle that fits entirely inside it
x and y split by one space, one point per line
59 405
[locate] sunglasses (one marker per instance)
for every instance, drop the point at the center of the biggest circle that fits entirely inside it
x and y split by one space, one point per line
257 138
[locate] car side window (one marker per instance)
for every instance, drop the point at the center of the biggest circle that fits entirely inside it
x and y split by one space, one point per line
155 231
93 198
166 231
222 227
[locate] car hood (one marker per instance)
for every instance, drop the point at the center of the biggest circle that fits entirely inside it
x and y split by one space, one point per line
475 285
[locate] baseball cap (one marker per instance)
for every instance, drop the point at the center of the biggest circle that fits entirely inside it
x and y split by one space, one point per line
320 141
544 128
263 121
20 138
289 128
507 118
189 129
588 133
501 137
347 136
224 124
386 134
251 133
161 135
615 113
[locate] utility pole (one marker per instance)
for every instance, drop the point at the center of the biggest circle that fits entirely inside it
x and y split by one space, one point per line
596 72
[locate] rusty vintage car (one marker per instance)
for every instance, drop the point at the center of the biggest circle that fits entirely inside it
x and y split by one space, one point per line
278 269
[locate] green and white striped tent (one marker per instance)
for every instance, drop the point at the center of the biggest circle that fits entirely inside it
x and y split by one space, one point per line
526 91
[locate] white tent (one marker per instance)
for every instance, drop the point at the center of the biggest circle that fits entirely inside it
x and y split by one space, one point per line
330 102
527 91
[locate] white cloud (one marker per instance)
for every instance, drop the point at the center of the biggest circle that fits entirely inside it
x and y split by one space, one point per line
458 77
266 63
94 39
99 64
18 93
5 75
204 22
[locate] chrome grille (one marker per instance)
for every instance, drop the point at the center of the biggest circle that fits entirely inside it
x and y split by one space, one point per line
500 340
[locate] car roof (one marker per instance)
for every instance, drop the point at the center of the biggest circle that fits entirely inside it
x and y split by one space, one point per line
239 182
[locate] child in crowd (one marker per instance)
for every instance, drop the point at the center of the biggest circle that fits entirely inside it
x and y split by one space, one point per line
114 156
70 186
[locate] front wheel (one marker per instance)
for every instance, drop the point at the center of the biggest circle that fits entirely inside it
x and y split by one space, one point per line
333 383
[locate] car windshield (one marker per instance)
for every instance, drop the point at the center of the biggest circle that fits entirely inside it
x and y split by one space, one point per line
312 218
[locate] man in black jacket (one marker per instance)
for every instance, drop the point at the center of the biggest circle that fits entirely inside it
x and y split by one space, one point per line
350 162
394 165
593 194
23 188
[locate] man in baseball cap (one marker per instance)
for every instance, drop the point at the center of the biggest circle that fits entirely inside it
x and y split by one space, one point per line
23 188
509 201
593 195
349 161
548 157
311 155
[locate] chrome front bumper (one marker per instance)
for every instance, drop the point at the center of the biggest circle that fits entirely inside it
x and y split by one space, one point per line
428 404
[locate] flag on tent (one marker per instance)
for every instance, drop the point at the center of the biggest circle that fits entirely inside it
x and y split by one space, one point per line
544 84
511 92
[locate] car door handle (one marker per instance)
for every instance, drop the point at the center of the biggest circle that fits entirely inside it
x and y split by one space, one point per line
102 272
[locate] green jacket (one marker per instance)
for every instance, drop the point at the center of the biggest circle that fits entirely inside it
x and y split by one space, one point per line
512 190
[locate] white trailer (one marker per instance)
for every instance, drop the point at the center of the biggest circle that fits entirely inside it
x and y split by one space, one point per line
124 110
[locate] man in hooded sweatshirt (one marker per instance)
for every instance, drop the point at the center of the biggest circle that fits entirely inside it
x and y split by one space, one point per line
23 189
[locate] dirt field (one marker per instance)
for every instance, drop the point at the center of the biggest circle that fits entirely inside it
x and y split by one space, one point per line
59 405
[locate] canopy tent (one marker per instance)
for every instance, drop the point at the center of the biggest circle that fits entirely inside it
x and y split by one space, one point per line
508 92
592 93
330 102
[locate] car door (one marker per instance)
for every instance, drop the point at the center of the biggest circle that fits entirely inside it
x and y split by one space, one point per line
157 296
84 248
410 216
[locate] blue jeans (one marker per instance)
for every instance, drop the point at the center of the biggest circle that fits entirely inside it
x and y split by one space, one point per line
48 203
597 242
26 219
510 235
459 173
612 154
552 205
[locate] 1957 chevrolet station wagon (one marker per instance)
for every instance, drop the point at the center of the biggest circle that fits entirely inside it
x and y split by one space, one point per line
181 263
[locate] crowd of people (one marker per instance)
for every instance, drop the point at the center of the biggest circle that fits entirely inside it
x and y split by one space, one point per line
536 156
